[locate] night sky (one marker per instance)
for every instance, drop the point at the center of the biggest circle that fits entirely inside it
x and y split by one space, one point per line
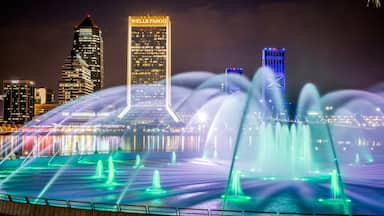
333 43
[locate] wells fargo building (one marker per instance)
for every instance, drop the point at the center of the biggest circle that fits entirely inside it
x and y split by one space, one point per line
149 59
149 63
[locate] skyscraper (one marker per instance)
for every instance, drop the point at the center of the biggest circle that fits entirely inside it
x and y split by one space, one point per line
18 100
274 58
149 62
88 43
75 79
230 85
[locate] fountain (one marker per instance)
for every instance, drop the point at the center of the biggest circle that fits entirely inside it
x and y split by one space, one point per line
99 169
235 192
357 159
285 149
335 186
156 184
246 141
138 163
111 170
291 144
337 196
173 158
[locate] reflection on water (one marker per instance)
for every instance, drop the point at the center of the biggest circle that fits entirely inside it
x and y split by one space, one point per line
38 145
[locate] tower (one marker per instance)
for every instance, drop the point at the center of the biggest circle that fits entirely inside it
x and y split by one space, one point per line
18 100
75 79
274 58
88 43
230 86
149 64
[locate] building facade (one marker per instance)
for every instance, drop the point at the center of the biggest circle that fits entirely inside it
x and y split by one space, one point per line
88 43
274 58
149 63
75 79
18 101
230 85
45 100
44 95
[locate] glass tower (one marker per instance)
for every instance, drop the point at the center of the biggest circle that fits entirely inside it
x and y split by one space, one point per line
88 43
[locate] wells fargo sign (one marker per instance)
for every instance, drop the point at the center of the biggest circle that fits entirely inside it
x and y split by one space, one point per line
148 20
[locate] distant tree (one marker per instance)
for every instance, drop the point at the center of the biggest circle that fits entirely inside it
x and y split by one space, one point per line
375 2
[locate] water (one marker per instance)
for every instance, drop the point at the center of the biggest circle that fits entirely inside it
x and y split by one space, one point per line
111 170
99 169
235 191
335 186
173 158
253 148
357 159
138 163
205 185
156 184
291 144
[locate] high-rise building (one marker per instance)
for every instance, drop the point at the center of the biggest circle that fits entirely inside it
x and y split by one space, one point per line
149 63
88 43
44 95
230 85
274 58
44 100
75 79
18 100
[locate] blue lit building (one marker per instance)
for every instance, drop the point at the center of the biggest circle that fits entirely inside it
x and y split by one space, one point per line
230 86
275 59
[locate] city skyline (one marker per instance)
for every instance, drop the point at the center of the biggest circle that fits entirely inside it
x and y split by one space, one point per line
208 107
318 50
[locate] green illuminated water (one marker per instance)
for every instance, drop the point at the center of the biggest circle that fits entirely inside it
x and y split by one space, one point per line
111 170
235 192
290 143
235 188
156 184
357 159
338 198
138 163
173 157
99 169
335 185
156 180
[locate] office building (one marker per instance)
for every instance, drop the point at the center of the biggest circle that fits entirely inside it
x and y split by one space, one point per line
230 86
44 95
75 79
149 64
18 101
274 58
88 43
